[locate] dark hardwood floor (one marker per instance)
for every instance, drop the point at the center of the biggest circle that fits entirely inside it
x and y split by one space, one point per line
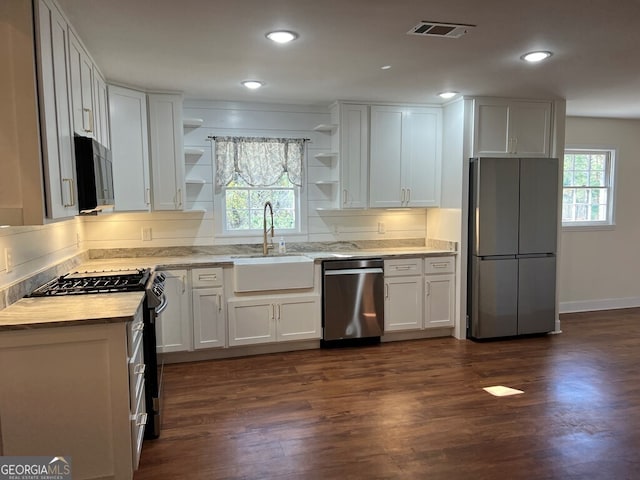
412 409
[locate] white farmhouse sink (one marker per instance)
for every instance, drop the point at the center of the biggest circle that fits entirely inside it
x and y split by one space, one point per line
254 274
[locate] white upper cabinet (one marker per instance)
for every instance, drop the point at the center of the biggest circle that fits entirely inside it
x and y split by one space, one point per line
101 109
405 156
511 128
55 115
167 151
129 149
354 155
81 86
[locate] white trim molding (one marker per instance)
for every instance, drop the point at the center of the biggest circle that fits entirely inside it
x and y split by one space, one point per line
599 304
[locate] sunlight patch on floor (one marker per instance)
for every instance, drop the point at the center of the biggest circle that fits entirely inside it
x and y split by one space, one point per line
500 391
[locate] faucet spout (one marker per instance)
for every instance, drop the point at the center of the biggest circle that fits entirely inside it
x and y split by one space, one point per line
265 247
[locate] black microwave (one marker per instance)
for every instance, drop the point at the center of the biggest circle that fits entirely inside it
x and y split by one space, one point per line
94 174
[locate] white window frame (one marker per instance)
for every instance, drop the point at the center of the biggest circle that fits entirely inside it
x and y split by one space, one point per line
252 232
610 171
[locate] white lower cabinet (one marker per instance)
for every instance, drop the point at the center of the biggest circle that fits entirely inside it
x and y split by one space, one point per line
402 294
273 318
440 290
209 312
439 300
402 303
419 294
174 326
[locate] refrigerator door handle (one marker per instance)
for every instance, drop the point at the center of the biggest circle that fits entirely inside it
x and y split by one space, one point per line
536 255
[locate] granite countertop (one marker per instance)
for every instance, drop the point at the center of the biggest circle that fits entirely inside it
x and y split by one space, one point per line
41 312
205 260
28 313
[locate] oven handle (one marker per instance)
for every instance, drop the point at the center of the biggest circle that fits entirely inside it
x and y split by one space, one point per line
163 305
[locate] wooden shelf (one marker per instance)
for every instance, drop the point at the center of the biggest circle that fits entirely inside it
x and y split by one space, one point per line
193 152
326 155
326 182
326 127
192 122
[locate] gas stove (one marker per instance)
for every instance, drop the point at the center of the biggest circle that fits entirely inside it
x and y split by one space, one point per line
107 281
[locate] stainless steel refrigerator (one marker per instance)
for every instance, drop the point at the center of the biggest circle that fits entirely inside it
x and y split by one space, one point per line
513 222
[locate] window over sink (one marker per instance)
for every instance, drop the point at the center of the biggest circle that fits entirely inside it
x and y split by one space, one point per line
253 170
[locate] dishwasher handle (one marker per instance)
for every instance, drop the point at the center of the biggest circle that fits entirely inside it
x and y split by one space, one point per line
353 271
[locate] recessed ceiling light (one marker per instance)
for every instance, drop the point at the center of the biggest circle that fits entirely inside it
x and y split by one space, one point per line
447 95
282 36
534 57
252 84
385 67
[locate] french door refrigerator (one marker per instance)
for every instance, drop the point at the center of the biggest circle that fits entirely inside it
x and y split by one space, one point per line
513 217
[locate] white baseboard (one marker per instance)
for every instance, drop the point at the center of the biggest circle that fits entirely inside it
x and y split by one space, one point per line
599 304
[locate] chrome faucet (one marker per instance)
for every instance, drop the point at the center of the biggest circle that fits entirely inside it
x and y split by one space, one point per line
265 247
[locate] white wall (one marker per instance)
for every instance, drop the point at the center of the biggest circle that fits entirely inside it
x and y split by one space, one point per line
36 248
203 227
599 269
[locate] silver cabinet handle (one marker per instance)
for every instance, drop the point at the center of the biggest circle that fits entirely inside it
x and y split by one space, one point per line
72 197
344 196
428 288
138 327
147 196
278 311
219 302
141 419
408 195
402 197
386 290
209 277
273 311
89 113
139 369
440 265
179 198
183 281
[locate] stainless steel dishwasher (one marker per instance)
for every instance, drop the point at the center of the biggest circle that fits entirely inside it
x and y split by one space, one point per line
353 299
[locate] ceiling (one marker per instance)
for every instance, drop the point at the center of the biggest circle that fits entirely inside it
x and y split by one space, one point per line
206 47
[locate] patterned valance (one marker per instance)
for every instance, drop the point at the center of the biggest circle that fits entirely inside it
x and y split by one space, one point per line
259 161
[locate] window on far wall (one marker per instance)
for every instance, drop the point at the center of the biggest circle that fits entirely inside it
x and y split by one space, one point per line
253 170
244 205
587 196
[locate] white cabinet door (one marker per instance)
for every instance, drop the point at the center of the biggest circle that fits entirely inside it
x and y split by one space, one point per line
273 318
101 109
167 151
55 112
173 327
129 149
511 128
403 303
81 87
354 155
208 318
439 300
422 157
406 146
298 317
251 321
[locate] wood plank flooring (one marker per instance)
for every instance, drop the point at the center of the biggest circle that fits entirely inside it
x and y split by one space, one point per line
412 410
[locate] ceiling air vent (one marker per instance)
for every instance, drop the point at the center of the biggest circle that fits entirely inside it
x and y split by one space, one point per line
439 29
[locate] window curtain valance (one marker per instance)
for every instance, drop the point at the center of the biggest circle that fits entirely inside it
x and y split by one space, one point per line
259 161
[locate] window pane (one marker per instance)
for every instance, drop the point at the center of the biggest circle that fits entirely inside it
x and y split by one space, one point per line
580 179
582 213
598 162
568 213
567 178
581 162
581 196
568 196
284 219
568 162
596 179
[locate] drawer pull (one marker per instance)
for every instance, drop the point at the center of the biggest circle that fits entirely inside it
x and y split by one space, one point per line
208 277
139 369
404 267
138 327
141 419
440 265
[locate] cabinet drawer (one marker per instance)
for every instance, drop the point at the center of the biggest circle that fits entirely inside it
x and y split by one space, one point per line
405 266
134 335
439 265
206 277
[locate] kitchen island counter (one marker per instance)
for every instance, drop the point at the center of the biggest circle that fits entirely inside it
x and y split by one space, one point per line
44 312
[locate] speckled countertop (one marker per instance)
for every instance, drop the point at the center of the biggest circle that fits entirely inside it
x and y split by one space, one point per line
28 313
